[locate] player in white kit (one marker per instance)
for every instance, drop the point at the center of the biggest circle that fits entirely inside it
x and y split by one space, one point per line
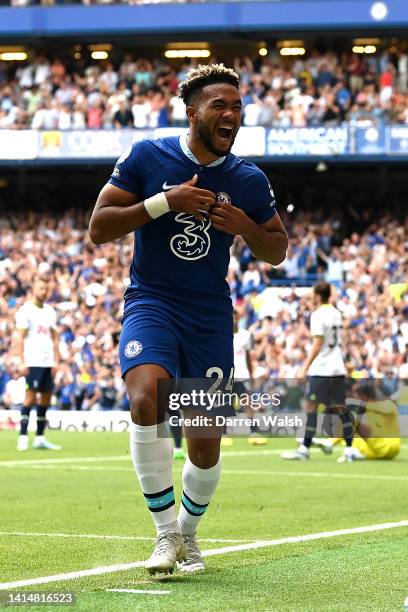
37 351
325 370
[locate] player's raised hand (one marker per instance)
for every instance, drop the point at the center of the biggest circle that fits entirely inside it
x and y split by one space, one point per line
229 219
190 199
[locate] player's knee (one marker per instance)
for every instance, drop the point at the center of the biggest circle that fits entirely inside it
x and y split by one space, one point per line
204 458
143 407
30 398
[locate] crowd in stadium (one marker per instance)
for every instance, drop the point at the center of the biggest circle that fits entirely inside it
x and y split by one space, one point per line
369 270
323 89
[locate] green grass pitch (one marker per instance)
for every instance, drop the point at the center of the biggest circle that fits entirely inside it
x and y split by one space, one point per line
90 489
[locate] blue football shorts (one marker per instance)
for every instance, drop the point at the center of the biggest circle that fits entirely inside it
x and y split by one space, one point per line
180 346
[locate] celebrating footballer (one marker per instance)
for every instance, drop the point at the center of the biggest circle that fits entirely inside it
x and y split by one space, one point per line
185 198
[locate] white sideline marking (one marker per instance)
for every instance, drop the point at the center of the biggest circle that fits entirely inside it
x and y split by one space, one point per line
109 569
78 468
225 454
61 461
92 536
313 474
96 571
145 592
57 461
305 538
227 472
14 462
246 453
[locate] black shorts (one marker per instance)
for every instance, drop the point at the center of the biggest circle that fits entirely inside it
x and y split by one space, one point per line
40 380
327 390
240 387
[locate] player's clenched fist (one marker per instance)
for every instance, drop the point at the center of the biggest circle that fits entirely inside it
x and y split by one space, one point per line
190 199
229 219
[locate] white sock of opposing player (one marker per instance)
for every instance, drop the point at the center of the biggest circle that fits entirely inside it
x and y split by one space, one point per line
152 458
198 488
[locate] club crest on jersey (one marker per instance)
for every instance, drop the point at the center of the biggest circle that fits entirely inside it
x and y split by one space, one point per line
133 349
194 243
124 155
222 198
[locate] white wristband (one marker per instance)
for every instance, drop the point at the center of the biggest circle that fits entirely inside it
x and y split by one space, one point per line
350 401
157 205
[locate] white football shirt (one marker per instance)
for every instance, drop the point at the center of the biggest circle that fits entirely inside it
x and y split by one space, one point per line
38 344
242 344
16 390
326 321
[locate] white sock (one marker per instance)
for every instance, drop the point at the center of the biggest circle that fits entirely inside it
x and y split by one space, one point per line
152 458
198 488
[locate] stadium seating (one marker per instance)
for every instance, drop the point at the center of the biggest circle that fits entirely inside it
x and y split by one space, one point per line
327 89
87 283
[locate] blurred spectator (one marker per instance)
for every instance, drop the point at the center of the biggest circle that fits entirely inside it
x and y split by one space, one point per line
15 389
123 116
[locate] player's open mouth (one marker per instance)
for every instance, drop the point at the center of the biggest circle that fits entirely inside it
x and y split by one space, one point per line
224 132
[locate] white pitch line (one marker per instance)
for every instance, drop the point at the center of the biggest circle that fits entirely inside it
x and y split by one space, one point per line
305 538
14 462
79 468
228 472
95 571
109 569
141 591
56 461
313 474
94 536
247 453
225 455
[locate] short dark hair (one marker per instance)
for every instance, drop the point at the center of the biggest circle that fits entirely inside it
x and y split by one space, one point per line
366 390
204 75
323 290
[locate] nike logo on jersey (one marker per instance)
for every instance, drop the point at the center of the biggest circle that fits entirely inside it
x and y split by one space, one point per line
166 187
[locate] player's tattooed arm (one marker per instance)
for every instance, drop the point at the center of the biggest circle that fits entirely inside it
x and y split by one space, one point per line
268 242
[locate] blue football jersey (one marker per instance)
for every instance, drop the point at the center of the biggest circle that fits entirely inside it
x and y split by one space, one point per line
180 263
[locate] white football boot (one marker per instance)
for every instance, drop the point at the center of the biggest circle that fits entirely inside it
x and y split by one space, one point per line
300 454
168 548
324 444
350 454
40 442
22 443
194 561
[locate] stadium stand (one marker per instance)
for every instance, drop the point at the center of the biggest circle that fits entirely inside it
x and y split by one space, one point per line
369 269
323 89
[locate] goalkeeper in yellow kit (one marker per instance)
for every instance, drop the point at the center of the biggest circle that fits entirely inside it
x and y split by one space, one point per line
377 426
